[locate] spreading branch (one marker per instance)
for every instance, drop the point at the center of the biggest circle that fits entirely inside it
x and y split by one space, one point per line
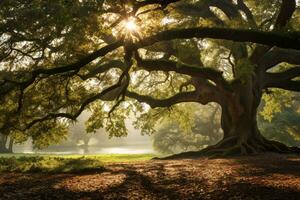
162 3
283 40
277 56
287 10
243 7
286 85
181 68
284 80
74 67
103 68
77 113
154 103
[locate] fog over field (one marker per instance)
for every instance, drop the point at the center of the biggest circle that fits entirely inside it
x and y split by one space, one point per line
80 142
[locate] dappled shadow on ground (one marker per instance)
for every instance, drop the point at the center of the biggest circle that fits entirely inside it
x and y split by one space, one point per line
261 177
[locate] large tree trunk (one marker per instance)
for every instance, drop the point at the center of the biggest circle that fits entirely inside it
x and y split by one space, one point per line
238 121
239 124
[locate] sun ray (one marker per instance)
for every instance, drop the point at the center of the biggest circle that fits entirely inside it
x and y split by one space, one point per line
130 25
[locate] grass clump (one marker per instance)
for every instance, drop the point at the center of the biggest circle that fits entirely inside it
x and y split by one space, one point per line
48 164
63 163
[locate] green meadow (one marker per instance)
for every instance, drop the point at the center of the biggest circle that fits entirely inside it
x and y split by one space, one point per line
64 163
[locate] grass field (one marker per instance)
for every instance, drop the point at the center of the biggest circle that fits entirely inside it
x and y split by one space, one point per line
63 163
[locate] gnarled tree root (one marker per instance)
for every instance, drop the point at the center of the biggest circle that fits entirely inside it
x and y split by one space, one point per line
234 146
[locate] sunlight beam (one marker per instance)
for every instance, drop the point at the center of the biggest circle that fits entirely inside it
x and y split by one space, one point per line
130 25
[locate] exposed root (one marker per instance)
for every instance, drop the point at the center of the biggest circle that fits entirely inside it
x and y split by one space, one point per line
236 147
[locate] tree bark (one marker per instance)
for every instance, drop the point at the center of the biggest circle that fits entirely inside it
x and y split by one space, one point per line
238 121
10 145
3 144
239 124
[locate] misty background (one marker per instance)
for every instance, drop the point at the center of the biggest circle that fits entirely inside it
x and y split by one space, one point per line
80 142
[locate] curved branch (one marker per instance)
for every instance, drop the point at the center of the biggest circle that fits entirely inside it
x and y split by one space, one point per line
283 40
230 10
108 92
203 10
194 71
84 61
162 3
285 75
68 68
284 79
154 103
288 40
287 9
244 8
286 85
277 56
103 68
204 94
80 110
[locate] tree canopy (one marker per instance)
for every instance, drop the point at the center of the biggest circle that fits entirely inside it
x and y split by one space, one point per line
59 58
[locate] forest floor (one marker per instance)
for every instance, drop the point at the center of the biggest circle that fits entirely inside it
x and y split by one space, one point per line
268 176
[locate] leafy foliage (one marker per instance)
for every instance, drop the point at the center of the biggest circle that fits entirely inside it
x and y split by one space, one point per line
60 58
193 131
276 102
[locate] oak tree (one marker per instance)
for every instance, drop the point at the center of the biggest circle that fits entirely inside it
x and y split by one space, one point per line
59 58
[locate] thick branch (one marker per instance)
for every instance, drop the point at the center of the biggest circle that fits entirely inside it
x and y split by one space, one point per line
277 56
69 68
286 85
227 7
103 68
108 92
86 60
162 3
178 98
243 7
78 112
283 40
285 75
286 11
194 71
284 79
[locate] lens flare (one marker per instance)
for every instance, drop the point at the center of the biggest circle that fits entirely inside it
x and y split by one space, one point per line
130 25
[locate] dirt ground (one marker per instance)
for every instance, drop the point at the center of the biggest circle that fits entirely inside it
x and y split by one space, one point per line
268 176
